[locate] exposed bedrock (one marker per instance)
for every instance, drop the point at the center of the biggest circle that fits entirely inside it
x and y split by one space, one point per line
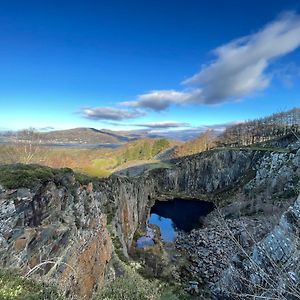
272 269
219 252
63 225
207 172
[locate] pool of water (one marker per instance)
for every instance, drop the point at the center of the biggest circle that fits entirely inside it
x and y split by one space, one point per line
147 240
178 214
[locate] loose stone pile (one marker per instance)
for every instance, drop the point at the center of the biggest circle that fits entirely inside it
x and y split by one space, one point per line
211 249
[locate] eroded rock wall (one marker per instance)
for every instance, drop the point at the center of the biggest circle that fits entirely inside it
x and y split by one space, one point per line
207 172
272 270
61 228
63 224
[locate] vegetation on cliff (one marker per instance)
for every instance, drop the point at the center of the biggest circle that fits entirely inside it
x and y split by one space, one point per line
15 287
245 134
263 129
29 176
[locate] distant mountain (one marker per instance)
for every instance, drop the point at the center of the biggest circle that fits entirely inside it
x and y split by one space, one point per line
84 136
78 136
103 136
180 135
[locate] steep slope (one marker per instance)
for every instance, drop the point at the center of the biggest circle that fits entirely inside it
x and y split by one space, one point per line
203 142
69 225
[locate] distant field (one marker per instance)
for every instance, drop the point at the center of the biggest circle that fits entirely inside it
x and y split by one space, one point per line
98 162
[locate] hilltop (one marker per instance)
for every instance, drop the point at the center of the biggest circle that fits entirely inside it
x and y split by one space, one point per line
93 136
79 136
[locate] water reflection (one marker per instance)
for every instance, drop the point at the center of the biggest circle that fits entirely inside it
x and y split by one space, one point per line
166 226
178 214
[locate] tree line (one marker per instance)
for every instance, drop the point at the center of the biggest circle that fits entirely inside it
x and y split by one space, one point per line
263 129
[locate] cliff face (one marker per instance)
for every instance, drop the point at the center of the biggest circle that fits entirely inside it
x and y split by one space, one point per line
63 225
207 172
60 227
272 269
126 202
227 255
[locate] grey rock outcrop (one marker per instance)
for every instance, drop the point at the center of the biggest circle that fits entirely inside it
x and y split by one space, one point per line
272 270
65 223
62 228
208 172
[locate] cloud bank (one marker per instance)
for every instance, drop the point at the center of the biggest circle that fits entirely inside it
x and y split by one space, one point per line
158 100
239 69
163 125
109 113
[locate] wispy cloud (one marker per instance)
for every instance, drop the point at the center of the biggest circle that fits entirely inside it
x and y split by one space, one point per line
110 113
45 129
158 100
163 125
238 70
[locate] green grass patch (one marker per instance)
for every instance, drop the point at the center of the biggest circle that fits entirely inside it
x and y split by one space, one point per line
130 286
28 176
15 287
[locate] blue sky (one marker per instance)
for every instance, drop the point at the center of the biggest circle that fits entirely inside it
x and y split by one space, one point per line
146 64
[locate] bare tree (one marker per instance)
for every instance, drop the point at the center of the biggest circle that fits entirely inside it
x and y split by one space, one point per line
22 147
264 129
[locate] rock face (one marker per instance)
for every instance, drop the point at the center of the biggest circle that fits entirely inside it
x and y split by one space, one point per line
208 172
61 228
272 271
63 225
210 249
252 212
276 174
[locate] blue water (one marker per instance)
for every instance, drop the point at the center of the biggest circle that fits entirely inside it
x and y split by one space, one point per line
144 242
147 240
166 226
178 214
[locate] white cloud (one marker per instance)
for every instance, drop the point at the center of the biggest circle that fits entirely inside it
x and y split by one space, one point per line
163 124
109 113
158 100
239 69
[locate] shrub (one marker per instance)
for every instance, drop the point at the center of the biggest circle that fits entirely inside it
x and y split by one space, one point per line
27 176
85 179
130 286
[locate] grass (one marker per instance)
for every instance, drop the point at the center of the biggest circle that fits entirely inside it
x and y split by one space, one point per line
14 287
101 167
133 286
28 176
93 162
129 286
